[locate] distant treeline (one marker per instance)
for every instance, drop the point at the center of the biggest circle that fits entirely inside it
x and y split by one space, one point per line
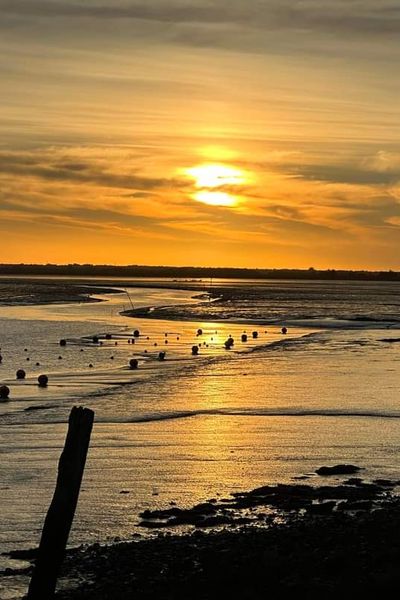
188 273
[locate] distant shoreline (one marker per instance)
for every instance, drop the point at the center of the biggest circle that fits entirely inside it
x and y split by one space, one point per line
196 275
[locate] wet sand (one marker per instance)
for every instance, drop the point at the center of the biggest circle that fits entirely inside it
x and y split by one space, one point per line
14 292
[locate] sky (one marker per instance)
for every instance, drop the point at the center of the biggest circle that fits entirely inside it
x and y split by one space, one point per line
246 133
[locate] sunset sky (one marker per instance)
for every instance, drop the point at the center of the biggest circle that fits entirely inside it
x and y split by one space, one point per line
249 133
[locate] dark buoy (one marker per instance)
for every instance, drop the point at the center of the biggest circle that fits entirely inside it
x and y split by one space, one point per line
161 356
38 364
20 374
111 358
199 332
155 344
244 337
63 342
195 350
90 366
43 380
133 363
4 392
136 333
255 335
95 339
284 330
27 358
60 358
166 342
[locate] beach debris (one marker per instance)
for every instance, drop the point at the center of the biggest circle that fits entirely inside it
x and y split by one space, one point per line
199 332
338 470
161 356
4 392
90 366
136 333
284 330
255 335
244 337
43 380
108 336
95 339
195 350
63 342
133 363
111 358
20 374
60 357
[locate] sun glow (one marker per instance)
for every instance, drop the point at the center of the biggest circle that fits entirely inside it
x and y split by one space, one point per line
210 176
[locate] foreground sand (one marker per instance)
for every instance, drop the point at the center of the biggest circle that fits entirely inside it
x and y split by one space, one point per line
331 541
321 557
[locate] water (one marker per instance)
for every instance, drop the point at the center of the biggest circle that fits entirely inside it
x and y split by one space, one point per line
190 428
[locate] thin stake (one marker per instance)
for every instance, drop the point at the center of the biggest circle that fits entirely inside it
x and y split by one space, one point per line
61 512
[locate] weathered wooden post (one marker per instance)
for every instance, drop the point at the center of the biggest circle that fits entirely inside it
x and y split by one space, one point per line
61 512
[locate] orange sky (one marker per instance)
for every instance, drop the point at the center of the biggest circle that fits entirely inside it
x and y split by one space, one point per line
224 133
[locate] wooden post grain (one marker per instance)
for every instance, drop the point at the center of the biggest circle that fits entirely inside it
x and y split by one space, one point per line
61 512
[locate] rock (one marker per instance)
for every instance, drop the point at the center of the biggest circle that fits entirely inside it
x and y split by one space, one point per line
338 470
325 508
385 482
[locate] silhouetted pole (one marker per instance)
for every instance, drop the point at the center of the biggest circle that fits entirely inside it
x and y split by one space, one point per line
61 512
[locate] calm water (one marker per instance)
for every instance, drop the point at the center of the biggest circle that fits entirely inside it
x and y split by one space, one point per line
189 428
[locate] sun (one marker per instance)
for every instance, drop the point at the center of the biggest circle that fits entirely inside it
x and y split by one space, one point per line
210 178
